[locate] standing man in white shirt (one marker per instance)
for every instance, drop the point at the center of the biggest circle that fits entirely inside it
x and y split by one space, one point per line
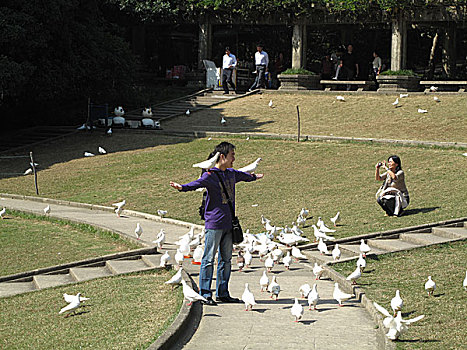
261 62
229 62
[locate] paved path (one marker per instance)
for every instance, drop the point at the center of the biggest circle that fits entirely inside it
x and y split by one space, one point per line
270 324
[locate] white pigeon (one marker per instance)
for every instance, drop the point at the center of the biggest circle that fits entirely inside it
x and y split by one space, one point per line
465 281
138 231
28 171
297 254
269 263
223 121
69 298
160 239
295 229
198 255
354 276
422 110
339 295
396 102
208 164
251 168
187 112
109 132
118 211
361 262
190 294
264 281
165 258
336 252
176 279
364 248
396 325
73 304
322 247
403 95
297 310
147 113
313 297
397 303
82 127
264 220
304 213
270 103
179 257
464 154
274 288
161 213
320 234
304 290
101 150
436 99
2 212
185 249
433 88
47 210
276 254
89 154
318 271
248 298
119 111
430 286
120 205
336 218
301 221
287 260
322 226
248 258
340 98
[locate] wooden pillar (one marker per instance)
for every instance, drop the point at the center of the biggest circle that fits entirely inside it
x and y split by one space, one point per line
449 50
399 42
204 42
299 46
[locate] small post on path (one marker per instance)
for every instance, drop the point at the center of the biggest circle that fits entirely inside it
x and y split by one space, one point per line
298 124
34 172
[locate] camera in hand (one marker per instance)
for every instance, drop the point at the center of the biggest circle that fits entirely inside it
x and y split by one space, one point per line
380 164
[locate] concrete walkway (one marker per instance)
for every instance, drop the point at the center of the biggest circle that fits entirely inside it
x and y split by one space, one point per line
228 326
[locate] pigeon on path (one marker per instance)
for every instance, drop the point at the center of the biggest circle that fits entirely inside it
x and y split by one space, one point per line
248 298
339 295
198 255
207 164
322 247
251 168
317 271
264 281
47 210
179 257
297 254
248 258
313 297
240 261
354 276
274 288
361 262
297 310
176 279
430 286
397 303
2 212
287 260
364 248
160 239
190 294
73 304
304 290
269 263
119 207
138 231
165 258
336 252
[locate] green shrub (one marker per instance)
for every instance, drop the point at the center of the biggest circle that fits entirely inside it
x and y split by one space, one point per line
407 72
297 71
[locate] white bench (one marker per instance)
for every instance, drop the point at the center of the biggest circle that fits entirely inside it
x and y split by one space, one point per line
362 85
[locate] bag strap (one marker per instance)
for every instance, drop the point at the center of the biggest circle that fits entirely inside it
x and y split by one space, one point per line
232 210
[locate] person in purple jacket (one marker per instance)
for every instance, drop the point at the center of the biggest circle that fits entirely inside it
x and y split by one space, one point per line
218 221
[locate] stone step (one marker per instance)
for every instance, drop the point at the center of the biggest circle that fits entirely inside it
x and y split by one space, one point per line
423 238
126 266
47 281
450 232
12 288
316 255
152 260
391 244
89 273
355 249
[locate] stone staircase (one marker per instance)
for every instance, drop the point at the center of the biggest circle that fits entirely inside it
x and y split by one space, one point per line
200 100
392 241
109 265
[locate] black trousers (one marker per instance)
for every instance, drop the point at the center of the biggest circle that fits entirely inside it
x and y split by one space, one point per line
227 79
260 81
389 205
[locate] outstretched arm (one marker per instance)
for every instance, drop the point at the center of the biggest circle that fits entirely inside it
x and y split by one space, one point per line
176 185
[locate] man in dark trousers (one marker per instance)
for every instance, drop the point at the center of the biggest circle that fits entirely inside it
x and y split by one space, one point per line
261 64
218 221
350 65
229 62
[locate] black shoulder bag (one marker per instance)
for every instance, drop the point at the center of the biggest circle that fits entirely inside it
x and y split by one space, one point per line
237 233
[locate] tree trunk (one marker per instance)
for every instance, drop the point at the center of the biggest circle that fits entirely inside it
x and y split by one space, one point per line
431 62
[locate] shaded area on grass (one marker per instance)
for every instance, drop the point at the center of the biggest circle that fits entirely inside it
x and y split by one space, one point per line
124 312
30 242
444 325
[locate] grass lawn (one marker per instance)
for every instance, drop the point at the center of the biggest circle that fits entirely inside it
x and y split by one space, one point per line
325 177
124 312
29 242
371 116
444 325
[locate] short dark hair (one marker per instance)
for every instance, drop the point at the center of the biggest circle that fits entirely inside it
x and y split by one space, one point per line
224 148
227 48
259 45
397 160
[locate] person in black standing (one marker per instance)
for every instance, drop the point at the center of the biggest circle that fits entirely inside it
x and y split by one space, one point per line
229 62
350 65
